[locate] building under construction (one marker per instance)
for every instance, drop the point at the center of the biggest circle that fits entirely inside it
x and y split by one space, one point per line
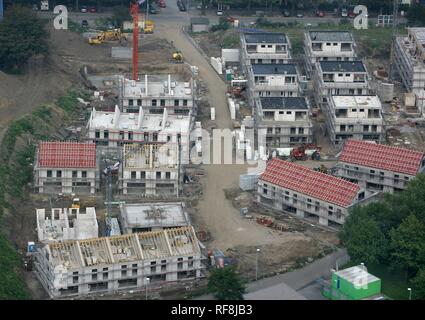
126 262
66 224
141 217
66 167
156 93
150 169
117 128
409 58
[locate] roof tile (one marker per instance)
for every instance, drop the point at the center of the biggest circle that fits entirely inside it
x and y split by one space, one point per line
380 156
315 184
66 155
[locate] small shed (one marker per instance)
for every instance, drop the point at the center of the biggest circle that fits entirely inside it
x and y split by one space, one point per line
199 24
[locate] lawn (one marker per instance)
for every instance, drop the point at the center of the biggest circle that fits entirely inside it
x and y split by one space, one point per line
393 282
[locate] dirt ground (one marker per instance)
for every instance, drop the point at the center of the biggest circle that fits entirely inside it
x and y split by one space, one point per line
240 237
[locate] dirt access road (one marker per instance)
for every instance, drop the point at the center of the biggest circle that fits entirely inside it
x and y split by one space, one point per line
217 213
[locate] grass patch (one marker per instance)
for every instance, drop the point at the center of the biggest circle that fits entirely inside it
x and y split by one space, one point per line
393 282
75 27
230 41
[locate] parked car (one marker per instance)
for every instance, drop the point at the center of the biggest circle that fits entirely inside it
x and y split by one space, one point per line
286 13
300 15
152 10
83 9
320 13
219 12
230 19
161 4
84 24
35 7
93 9
344 13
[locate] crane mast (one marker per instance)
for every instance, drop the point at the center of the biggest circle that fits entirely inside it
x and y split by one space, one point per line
134 10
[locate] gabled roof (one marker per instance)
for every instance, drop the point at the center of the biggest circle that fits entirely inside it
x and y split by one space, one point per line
265 37
266 69
315 184
294 103
342 66
66 155
380 156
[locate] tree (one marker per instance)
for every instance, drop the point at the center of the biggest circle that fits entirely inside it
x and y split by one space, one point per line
121 14
407 244
419 286
416 15
363 237
225 284
22 36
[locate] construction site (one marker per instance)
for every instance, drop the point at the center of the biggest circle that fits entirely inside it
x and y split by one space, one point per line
120 206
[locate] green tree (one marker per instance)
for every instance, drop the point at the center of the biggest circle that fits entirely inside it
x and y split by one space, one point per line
121 14
407 244
225 284
11 285
418 286
363 237
416 15
22 36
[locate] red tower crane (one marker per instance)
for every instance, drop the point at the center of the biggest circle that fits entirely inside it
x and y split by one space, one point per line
134 10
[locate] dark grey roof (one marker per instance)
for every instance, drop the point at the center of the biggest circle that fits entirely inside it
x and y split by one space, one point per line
265 69
199 20
331 36
265 37
295 103
342 66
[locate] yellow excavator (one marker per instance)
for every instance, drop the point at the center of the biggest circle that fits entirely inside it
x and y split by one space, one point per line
110 35
177 57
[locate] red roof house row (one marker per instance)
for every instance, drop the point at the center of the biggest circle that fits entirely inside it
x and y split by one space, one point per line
315 184
66 155
382 157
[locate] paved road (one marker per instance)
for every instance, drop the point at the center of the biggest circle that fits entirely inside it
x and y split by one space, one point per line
298 279
172 14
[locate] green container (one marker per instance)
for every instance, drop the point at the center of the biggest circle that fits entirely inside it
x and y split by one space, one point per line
353 284
229 75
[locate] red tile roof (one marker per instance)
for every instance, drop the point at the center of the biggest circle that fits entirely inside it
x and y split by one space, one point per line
66 155
380 156
315 184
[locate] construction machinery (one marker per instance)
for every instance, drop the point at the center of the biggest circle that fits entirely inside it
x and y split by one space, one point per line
109 35
322 169
304 151
76 203
177 57
148 26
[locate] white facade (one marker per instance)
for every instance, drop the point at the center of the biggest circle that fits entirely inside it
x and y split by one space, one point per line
265 48
273 80
116 128
409 57
340 78
358 117
155 93
150 169
127 262
327 46
66 224
284 122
